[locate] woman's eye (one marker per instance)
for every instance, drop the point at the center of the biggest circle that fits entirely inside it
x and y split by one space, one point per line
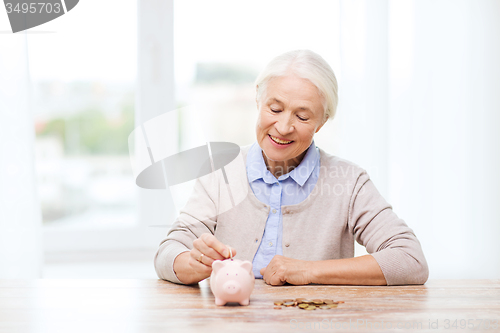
275 111
303 119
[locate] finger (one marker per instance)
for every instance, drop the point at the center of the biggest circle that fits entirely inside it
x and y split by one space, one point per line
231 251
276 280
210 253
265 272
196 256
200 267
215 244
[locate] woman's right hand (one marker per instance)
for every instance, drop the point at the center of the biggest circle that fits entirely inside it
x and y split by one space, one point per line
206 249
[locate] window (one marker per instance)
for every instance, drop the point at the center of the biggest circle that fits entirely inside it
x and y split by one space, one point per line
218 58
84 105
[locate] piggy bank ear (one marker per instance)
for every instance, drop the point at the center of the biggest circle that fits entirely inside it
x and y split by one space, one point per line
216 265
247 265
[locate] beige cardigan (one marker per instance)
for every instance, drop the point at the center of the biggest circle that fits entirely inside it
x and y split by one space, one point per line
343 207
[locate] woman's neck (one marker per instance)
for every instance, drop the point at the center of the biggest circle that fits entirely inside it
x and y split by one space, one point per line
278 168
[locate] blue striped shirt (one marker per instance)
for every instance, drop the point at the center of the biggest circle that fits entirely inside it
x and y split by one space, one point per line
289 189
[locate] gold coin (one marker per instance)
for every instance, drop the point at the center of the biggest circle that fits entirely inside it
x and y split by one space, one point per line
328 301
311 307
278 302
307 301
324 307
332 306
289 304
299 300
277 307
303 305
288 300
340 302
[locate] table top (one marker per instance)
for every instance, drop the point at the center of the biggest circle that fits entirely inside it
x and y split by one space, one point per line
160 306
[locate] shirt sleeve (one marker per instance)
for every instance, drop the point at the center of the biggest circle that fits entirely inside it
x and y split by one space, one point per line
386 237
196 218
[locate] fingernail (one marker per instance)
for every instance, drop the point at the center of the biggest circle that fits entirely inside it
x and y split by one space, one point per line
225 253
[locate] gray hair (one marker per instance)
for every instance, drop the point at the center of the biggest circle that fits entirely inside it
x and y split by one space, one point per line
307 65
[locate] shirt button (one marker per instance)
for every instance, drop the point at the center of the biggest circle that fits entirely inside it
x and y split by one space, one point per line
270 243
256 240
274 211
287 244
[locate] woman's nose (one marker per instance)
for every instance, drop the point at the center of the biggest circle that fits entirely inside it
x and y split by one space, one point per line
284 124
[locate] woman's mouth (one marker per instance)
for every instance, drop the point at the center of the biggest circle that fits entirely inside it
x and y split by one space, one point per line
279 141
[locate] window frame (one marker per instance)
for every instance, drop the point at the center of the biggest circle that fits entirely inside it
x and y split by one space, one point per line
154 96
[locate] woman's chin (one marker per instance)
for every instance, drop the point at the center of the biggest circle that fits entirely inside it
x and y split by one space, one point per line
274 154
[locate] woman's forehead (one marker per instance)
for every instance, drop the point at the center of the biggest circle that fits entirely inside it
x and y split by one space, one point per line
293 89
293 84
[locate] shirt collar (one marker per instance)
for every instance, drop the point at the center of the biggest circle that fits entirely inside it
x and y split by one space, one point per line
302 173
256 167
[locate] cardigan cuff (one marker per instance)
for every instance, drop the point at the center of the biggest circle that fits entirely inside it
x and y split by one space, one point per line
164 261
399 268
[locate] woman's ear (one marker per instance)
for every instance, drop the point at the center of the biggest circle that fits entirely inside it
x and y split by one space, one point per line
319 127
256 95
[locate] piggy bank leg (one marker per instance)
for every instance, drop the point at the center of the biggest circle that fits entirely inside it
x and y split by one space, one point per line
245 302
218 301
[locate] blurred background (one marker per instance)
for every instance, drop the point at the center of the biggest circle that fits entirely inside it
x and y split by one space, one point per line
419 109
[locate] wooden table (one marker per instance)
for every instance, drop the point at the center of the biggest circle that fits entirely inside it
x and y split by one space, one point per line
159 306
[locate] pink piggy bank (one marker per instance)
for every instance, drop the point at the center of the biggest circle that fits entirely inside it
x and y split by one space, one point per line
232 281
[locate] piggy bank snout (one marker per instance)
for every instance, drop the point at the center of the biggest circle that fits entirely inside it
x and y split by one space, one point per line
231 287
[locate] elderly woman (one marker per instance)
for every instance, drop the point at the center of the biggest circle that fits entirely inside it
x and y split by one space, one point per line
305 209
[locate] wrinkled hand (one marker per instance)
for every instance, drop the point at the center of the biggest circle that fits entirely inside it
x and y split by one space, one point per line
283 270
212 249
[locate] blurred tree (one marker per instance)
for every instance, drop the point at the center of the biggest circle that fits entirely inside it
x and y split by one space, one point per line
222 72
97 133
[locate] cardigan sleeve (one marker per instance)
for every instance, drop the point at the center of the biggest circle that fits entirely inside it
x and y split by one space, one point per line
386 237
196 218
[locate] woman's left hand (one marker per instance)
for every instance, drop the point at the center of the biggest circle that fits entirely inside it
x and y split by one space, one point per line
283 270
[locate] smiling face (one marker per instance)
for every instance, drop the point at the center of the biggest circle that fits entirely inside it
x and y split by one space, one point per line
290 112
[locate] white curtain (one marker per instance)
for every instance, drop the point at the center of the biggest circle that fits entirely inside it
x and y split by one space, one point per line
419 88
20 217
444 138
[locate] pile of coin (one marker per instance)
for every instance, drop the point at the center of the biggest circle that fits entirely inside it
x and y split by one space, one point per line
307 304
